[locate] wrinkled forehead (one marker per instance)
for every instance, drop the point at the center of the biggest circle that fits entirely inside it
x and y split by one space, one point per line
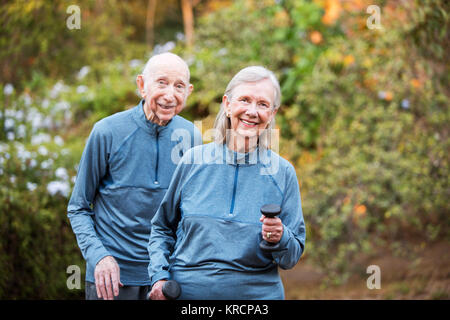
259 90
167 67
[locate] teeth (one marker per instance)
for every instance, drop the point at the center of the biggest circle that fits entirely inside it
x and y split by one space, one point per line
249 123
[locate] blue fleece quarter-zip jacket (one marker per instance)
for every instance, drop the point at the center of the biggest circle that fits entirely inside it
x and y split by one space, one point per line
206 232
123 175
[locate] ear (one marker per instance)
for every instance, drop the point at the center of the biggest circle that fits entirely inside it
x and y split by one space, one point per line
141 85
190 89
226 104
274 112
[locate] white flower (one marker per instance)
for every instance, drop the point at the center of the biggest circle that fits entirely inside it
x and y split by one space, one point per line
9 124
58 140
43 151
169 46
22 153
83 72
8 89
31 186
164 48
21 131
180 36
61 173
3 146
57 89
40 138
405 104
222 52
47 122
46 164
61 106
35 117
19 115
12 179
27 100
382 94
55 187
82 89
67 116
45 103
33 163
10 136
135 63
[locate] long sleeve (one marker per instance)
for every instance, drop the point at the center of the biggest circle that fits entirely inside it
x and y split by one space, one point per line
164 224
292 242
93 166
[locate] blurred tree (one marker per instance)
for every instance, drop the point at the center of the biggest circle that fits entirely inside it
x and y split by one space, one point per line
188 21
34 36
150 22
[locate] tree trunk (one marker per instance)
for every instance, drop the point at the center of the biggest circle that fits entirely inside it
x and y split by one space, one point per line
188 21
150 23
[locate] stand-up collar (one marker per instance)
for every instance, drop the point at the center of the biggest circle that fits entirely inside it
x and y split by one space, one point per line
248 158
143 122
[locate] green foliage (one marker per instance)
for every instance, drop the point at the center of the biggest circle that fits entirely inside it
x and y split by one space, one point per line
35 36
40 147
382 165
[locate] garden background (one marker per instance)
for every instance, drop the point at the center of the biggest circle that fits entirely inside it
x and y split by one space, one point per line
364 120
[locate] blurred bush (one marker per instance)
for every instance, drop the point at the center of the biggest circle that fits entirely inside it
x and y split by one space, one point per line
43 136
380 174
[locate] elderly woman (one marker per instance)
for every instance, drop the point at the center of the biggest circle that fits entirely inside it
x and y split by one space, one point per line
207 231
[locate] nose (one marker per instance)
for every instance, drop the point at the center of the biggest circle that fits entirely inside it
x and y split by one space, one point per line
251 110
169 94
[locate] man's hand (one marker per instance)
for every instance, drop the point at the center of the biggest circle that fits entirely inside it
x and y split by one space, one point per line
156 293
107 278
272 227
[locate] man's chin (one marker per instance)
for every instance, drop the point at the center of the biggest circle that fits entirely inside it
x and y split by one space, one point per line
165 117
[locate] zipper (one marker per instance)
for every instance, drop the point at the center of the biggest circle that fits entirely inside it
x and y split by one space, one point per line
236 173
157 158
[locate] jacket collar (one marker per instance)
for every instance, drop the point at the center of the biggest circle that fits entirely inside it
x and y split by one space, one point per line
147 125
250 158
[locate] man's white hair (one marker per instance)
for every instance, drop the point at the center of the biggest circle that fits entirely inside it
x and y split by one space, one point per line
154 59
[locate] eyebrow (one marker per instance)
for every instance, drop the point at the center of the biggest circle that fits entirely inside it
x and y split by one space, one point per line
163 77
258 99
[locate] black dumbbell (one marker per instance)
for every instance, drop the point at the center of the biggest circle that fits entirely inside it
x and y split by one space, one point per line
171 290
270 211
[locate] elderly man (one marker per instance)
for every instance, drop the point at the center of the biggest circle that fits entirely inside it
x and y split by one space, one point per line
124 172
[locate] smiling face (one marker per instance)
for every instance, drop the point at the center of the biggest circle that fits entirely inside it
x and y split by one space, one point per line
165 89
251 108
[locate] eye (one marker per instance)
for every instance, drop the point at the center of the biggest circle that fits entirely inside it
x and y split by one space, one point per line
264 105
244 99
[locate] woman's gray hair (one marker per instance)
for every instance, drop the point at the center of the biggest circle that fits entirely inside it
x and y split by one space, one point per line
247 75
